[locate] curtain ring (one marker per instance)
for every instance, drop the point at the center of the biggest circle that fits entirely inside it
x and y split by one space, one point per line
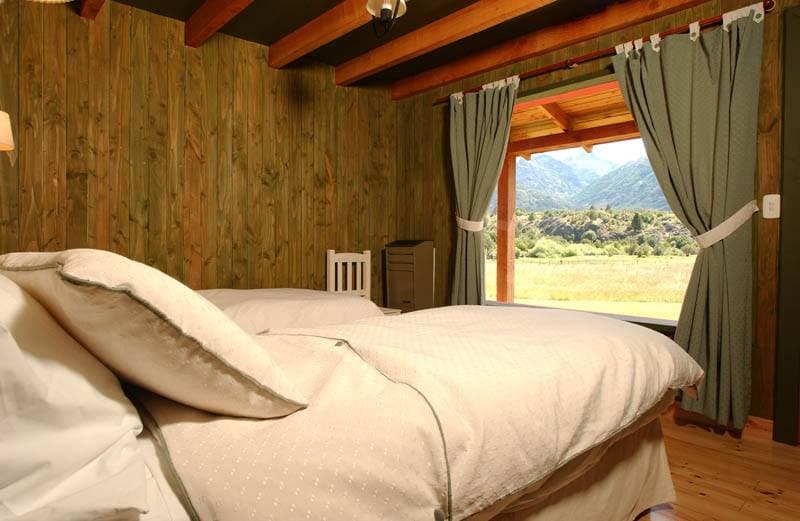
694 31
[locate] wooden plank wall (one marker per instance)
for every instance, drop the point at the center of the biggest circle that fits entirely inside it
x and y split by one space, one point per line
204 163
424 196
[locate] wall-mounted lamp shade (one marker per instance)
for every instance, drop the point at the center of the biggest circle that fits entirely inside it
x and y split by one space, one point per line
6 136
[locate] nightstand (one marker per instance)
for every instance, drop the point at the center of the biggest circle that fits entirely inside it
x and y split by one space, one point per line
391 312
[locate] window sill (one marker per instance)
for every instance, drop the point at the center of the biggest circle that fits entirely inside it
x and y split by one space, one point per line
665 327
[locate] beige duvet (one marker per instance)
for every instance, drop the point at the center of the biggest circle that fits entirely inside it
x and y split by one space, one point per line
439 414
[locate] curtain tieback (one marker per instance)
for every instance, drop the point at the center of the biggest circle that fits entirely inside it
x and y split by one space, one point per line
469 226
728 226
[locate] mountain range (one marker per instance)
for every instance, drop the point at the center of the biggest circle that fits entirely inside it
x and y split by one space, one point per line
567 183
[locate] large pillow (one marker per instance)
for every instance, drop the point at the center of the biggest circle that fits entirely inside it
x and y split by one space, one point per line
68 447
259 310
155 332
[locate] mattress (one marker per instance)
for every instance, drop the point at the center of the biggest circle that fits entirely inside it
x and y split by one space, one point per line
445 413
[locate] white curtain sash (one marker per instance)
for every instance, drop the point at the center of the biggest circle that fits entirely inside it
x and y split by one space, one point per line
728 226
757 10
469 226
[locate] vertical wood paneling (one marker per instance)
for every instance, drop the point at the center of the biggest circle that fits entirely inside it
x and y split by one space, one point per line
208 194
156 130
225 207
54 145
765 299
139 177
203 162
293 102
255 78
80 134
305 172
193 159
262 200
99 193
241 218
119 127
31 199
9 102
176 88
280 112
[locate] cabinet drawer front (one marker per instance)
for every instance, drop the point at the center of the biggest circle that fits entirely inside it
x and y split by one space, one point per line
400 258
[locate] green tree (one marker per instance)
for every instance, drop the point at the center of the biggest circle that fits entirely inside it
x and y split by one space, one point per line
636 222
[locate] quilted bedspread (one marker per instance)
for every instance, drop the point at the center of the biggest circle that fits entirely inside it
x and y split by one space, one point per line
437 414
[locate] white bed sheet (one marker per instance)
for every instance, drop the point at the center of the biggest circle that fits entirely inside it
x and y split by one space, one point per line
517 394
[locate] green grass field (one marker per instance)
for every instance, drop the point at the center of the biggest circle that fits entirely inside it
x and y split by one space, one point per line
624 285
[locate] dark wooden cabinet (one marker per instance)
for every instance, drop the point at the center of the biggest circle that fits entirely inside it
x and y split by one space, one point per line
409 274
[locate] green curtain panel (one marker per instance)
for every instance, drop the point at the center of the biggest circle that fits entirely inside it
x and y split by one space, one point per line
480 123
695 100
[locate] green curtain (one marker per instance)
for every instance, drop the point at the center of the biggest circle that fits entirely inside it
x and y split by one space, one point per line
479 127
695 100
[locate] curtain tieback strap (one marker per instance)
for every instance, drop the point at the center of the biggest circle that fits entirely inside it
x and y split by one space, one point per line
728 226
469 226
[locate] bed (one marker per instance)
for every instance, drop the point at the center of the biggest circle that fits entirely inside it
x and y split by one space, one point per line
453 413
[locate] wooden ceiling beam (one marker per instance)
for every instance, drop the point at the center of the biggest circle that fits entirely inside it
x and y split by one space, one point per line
90 8
575 138
209 18
557 116
465 22
582 92
332 24
613 18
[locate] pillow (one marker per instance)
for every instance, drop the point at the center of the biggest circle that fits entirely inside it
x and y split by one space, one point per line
155 332
259 310
67 431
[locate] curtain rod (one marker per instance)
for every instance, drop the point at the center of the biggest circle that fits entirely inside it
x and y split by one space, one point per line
571 63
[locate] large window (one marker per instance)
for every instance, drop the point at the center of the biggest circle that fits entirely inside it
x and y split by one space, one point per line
594 233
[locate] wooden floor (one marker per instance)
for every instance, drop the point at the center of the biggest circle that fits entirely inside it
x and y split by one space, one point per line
721 478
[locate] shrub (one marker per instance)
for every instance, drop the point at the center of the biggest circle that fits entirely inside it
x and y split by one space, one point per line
589 236
547 249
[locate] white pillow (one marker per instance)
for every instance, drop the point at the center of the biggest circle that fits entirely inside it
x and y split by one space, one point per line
259 310
67 431
154 331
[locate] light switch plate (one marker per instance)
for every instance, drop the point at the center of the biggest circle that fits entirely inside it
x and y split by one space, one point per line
771 206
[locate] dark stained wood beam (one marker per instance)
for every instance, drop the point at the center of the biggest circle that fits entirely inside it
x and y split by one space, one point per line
506 229
90 8
613 18
334 23
470 20
210 18
577 138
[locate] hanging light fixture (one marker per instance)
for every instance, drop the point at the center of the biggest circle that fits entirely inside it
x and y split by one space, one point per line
384 14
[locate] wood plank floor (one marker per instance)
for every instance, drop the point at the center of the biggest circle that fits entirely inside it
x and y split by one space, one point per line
722 478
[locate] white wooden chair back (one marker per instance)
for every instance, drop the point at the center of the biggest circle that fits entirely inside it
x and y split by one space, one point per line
349 273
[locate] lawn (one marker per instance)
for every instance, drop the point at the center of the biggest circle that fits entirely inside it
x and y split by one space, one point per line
624 285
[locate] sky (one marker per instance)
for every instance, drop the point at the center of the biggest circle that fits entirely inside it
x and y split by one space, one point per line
619 152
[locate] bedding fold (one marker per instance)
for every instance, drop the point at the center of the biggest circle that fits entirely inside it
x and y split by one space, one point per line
445 413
